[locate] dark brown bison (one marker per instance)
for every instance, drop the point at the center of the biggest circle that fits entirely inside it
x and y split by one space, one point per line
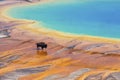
41 45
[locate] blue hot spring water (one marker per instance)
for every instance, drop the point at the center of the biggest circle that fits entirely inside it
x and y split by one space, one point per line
94 18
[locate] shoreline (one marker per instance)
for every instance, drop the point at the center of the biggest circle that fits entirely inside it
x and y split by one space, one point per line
38 29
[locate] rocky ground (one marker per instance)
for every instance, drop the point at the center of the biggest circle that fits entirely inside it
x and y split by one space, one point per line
64 59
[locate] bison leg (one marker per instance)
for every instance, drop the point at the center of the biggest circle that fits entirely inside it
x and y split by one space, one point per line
42 48
38 48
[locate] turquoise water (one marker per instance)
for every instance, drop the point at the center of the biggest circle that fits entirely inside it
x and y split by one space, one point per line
95 18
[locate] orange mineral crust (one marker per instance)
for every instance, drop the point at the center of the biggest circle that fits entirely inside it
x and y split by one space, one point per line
66 57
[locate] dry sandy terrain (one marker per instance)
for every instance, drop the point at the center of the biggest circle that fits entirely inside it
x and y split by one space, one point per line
66 58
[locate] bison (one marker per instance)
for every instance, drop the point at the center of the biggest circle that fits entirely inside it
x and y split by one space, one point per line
41 45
